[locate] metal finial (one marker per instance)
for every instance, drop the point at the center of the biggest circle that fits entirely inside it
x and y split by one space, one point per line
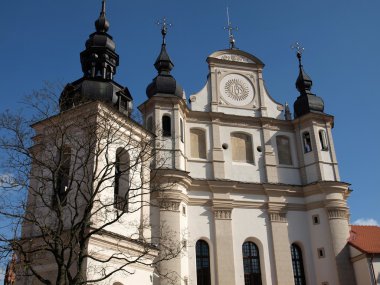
164 28
298 47
229 27
103 7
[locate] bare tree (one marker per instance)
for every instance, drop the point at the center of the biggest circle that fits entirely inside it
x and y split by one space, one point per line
73 181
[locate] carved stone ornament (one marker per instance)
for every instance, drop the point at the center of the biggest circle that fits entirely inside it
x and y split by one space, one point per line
278 217
337 214
224 214
234 57
170 206
236 89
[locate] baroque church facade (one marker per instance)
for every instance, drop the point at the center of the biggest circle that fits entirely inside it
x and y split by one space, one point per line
257 197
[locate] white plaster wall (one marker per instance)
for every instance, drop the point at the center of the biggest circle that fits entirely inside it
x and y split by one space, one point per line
185 237
241 171
255 229
320 237
325 154
232 110
248 197
182 151
328 172
138 273
200 226
376 267
198 167
273 108
311 173
288 175
201 101
362 272
299 234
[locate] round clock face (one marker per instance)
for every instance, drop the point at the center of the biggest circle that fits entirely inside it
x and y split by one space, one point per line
236 90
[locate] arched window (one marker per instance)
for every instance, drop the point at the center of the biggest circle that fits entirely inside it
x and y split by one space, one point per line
63 174
241 147
251 262
121 190
203 263
323 140
299 274
283 150
166 126
197 143
306 142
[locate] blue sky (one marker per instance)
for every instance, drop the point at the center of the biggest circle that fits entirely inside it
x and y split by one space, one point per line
41 41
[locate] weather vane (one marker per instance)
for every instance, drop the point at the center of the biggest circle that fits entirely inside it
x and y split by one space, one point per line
164 28
230 30
297 46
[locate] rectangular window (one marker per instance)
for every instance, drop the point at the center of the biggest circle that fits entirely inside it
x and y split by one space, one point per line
323 140
321 252
283 150
241 148
197 143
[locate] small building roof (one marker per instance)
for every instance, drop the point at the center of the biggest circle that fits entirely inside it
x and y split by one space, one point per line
365 238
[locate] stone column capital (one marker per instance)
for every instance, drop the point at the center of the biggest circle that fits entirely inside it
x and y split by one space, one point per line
222 214
169 205
337 213
278 217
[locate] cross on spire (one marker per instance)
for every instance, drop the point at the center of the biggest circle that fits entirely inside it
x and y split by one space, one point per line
230 29
164 28
300 49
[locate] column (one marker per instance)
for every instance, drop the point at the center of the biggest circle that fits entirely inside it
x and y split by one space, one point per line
170 241
339 228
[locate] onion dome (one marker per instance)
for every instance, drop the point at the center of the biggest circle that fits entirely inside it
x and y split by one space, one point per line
164 82
99 61
307 102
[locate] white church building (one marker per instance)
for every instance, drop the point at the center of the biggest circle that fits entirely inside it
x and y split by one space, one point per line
257 198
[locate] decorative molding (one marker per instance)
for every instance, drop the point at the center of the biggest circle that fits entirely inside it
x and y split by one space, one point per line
278 217
222 214
337 214
170 206
234 57
236 89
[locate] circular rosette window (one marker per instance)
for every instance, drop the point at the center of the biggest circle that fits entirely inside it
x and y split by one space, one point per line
236 90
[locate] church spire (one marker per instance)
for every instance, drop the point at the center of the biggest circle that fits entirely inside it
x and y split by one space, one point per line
101 24
230 29
164 82
307 102
163 62
99 59
99 62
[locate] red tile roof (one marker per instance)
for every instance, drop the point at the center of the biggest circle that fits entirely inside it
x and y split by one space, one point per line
365 238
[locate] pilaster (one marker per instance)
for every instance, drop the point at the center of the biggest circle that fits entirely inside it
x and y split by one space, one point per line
269 155
281 245
217 152
224 254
